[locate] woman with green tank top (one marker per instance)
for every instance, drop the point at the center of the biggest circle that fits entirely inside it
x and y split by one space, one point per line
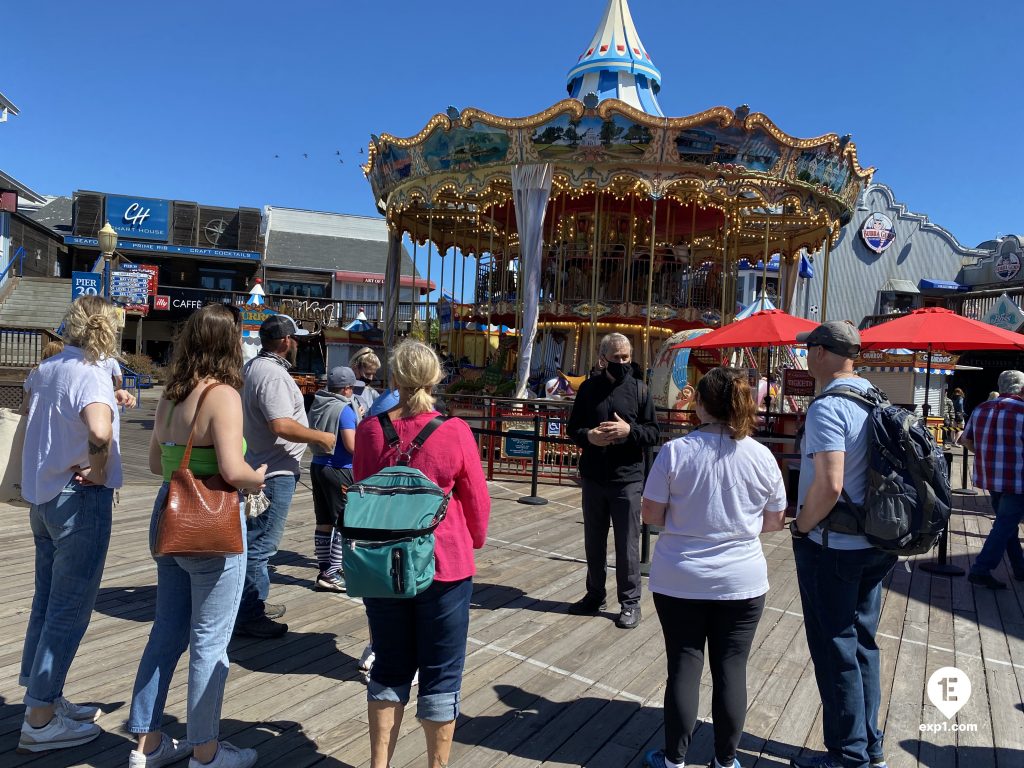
197 597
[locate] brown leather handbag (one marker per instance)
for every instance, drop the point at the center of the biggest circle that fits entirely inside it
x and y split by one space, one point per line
201 516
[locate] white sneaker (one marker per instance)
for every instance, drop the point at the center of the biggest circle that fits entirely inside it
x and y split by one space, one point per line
228 756
169 751
366 660
79 712
59 733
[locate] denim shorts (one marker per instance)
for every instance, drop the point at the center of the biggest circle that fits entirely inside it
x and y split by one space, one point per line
425 633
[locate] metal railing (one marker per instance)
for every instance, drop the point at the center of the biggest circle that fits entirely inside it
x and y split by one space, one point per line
328 312
19 259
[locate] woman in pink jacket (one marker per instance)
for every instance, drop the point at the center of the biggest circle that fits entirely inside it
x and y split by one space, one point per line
426 633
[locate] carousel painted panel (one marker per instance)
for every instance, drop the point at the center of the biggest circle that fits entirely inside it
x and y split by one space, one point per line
466 148
591 139
823 167
733 145
674 373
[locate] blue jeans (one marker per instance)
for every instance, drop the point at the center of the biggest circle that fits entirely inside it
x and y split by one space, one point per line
427 632
841 593
264 535
196 602
1009 509
71 535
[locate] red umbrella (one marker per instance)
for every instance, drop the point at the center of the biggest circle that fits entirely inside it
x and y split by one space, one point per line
934 328
767 328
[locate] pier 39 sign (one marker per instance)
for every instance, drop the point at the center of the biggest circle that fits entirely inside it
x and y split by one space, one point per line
878 232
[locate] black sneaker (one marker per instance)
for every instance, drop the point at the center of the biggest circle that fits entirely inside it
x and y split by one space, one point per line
262 626
588 606
986 580
629 617
273 610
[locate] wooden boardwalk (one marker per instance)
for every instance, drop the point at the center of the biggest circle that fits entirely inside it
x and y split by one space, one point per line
541 687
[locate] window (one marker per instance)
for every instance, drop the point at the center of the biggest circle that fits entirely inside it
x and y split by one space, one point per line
297 289
216 279
360 291
895 302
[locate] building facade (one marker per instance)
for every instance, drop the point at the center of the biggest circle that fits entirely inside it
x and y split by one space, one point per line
196 254
887 260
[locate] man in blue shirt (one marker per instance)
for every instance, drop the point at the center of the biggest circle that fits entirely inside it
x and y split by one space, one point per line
840 574
333 410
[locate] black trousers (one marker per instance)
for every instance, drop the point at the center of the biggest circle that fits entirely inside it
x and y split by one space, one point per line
617 505
727 628
330 487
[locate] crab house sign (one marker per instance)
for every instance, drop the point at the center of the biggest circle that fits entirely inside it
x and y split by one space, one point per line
1008 266
878 232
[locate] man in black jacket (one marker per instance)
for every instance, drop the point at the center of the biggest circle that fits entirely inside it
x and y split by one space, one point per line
613 422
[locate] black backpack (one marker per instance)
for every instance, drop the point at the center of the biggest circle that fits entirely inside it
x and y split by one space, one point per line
908 499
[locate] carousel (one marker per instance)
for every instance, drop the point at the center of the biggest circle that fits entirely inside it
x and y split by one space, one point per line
601 214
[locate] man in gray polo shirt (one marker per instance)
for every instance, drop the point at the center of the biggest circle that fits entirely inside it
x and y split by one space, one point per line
276 434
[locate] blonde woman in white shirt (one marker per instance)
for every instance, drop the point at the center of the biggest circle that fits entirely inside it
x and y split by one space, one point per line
70 467
713 492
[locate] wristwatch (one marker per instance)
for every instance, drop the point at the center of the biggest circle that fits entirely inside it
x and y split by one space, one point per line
797 533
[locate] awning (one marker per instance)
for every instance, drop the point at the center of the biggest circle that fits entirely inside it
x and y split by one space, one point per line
928 284
899 286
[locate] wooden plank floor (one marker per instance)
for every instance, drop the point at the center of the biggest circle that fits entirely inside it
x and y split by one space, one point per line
541 687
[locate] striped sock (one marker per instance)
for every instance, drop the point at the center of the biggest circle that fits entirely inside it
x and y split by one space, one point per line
337 546
322 549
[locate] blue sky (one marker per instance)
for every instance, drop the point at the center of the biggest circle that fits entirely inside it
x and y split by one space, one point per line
192 100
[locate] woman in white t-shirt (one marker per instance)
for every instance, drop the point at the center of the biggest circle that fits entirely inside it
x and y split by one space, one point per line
71 465
713 492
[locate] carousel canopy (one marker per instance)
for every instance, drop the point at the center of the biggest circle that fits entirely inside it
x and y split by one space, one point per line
642 216
616 64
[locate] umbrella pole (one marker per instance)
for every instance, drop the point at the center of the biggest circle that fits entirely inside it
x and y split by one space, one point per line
927 385
940 567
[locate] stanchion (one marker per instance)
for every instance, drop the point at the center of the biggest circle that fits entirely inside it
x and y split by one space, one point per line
963 490
942 567
533 499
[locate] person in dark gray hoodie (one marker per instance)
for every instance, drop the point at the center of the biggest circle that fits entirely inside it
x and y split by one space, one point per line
332 410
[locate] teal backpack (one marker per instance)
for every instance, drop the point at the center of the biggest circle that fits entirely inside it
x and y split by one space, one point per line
389 522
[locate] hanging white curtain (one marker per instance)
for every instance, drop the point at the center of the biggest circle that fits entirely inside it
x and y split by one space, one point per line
392 284
531 188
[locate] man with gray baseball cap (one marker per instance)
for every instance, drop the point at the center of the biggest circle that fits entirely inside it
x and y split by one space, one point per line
840 574
837 336
334 410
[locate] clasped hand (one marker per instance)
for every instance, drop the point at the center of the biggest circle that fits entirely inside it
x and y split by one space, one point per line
608 432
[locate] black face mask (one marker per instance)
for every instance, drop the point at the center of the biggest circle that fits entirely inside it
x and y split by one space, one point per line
617 371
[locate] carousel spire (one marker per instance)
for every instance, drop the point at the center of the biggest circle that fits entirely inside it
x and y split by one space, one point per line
616 65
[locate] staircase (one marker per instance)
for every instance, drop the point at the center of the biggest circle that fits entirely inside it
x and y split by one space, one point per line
36 302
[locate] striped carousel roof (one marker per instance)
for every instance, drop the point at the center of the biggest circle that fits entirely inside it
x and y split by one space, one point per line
616 65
